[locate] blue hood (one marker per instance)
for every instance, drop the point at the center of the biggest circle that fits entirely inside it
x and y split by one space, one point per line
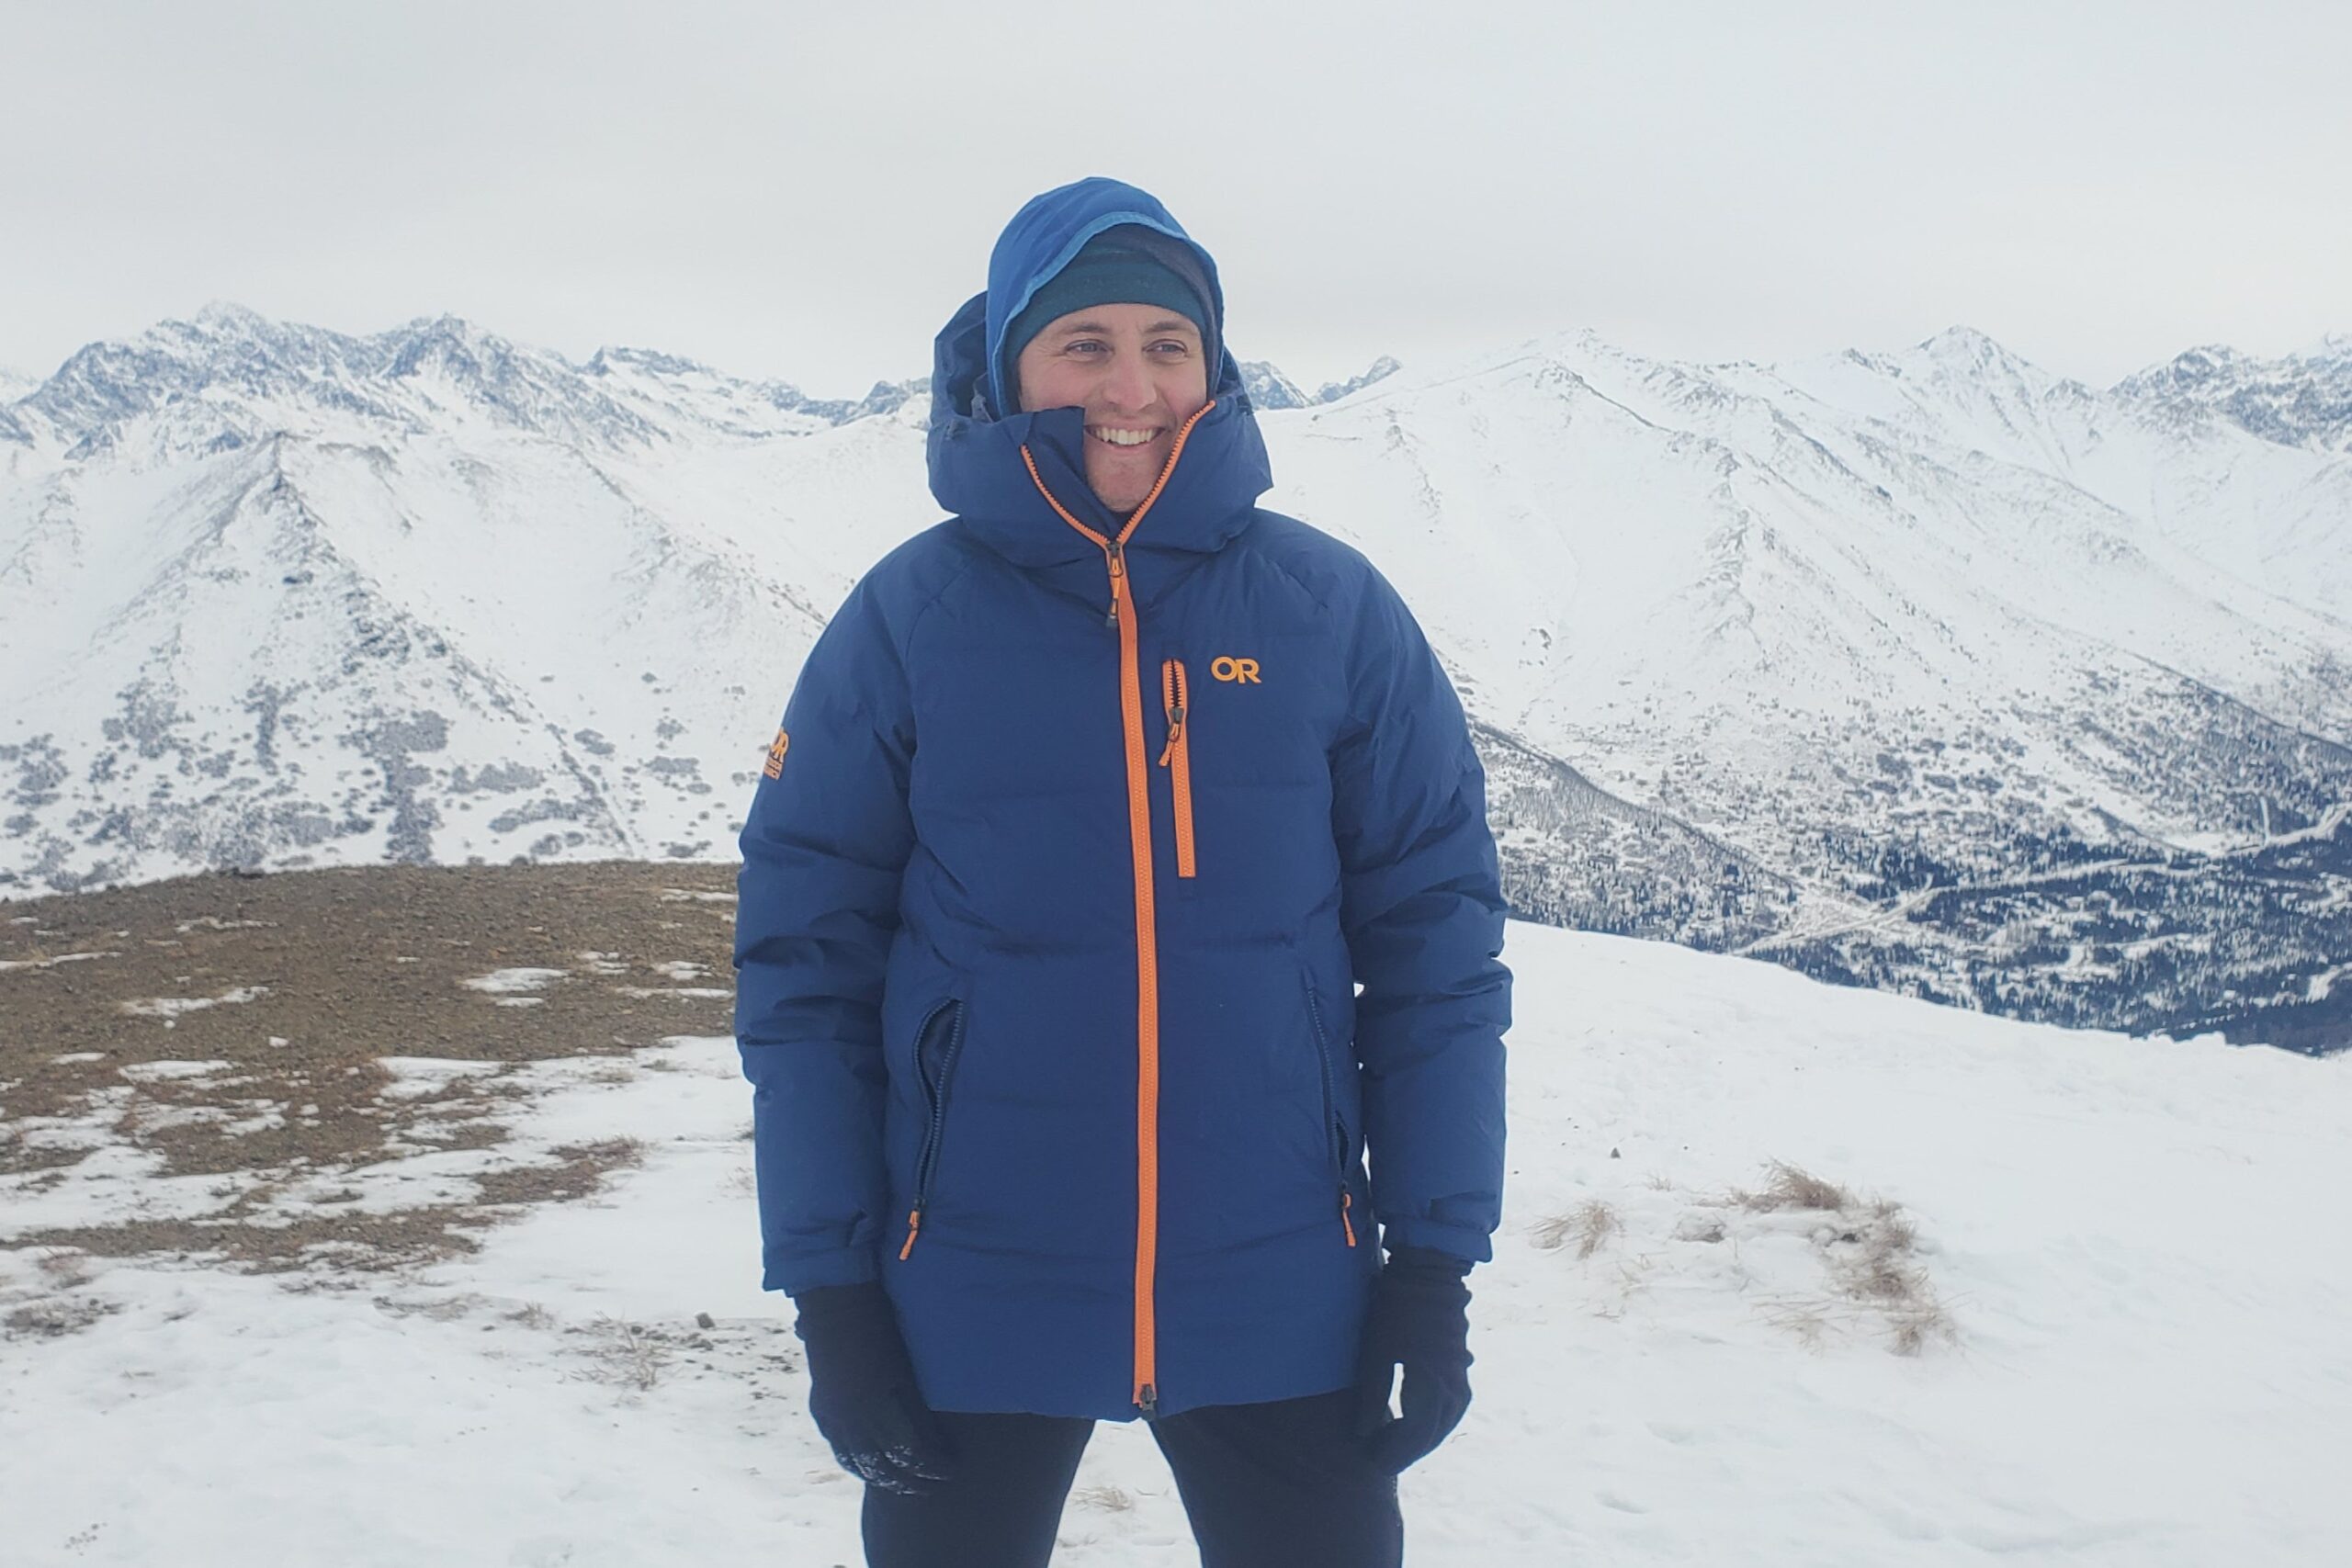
976 468
1047 233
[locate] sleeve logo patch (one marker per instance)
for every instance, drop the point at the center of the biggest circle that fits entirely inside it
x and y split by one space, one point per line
774 769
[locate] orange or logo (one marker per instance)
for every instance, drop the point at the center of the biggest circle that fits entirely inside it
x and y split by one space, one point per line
1229 669
774 769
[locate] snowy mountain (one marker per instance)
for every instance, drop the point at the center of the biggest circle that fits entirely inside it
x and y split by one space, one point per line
2305 400
1271 391
230 375
13 384
2024 688
267 594
1926 670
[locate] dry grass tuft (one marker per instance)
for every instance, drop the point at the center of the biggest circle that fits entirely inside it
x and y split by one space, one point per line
65 1265
1806 1321
1109 1498
1590 1224
1868 1250
1873 1264
1916 1328
1788 1187
439 1309
626 1354
54 1317
1596 1222
531 1315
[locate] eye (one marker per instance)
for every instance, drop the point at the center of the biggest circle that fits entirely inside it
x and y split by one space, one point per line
1173 347
1084 346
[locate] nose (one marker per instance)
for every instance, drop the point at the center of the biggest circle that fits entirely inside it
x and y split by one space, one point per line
1128 384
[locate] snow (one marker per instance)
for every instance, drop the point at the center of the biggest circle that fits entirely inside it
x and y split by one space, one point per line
2125 1263
53 961
506 982
170 1008
162 1072
416 1077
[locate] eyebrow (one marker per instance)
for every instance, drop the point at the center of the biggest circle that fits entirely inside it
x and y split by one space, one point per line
1165 324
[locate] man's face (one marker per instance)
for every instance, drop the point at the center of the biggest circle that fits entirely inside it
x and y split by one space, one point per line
1137 371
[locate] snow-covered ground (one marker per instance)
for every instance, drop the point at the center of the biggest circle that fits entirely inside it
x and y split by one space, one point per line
2105 1326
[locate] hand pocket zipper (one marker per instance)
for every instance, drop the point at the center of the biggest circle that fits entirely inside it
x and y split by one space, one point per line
935 1092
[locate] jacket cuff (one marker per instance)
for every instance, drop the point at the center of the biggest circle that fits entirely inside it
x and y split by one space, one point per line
1461 1243
1425 1263
812 1271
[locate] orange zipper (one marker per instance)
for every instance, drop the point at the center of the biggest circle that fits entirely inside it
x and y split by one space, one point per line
1177 758
1122 616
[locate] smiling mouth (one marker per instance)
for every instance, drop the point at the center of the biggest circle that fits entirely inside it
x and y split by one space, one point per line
1114 437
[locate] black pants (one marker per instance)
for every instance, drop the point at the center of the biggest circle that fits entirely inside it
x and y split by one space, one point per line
1280 1485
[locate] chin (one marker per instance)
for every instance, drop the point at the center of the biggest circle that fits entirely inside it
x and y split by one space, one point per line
1123 489
1120 494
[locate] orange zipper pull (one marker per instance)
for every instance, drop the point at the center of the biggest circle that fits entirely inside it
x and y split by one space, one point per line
1171 696
1347 1202
914 1223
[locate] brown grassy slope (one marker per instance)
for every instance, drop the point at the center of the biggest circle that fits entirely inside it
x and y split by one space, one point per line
312 977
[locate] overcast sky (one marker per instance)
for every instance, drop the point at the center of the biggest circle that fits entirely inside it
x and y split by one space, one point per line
806 191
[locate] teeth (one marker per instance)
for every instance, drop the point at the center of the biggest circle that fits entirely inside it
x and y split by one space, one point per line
1120 437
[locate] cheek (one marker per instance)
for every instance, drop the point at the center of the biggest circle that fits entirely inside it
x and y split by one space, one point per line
1184 391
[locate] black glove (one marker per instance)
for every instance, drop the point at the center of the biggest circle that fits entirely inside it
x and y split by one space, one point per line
862 1389
1419 1320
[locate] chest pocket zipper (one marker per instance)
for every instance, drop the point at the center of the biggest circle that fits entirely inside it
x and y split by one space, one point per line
935 1091
1177 758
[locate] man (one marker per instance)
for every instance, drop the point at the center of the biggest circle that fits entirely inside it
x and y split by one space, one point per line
1090 810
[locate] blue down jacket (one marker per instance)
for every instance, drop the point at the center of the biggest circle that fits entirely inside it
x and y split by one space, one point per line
1055 897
